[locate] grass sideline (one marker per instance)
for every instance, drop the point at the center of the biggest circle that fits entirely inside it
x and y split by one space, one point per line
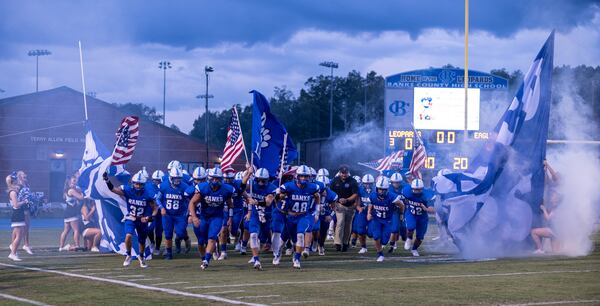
335 279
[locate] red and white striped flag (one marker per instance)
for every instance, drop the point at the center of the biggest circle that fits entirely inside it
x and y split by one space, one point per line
235 141
127 137
419 156
383 163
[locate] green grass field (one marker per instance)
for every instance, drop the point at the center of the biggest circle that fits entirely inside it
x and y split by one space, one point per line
78 278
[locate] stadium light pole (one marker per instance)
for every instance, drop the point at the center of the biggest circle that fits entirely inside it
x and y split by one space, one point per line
331 65
466 76
207 70
365 85
37 53
164 65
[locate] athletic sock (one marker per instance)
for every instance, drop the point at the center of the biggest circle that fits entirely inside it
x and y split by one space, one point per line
297 256
224 247
255 258
170 251
353 242
379 253
245 243
208 256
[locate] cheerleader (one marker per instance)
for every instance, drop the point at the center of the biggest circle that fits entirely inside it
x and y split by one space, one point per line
25 195
18 215
73 197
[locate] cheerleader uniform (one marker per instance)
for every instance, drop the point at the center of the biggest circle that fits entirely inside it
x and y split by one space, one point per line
18 216
73 210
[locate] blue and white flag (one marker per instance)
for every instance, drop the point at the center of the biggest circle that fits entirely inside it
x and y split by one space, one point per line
268 137
491 210
110 207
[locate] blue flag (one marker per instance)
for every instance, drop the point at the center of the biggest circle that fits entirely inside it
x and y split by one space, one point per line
110 207
268 137
490 211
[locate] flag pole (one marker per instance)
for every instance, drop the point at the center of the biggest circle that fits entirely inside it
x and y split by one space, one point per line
83 82
466 76
283 153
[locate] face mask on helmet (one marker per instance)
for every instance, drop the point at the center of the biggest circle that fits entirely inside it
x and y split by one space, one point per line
175 181
367 186
156 182
138 186
262 182
396 185
215 182
302 179
381 192
417 191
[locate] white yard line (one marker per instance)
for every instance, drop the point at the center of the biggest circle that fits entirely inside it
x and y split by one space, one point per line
387 279
554 303
20 299
169 283
134 285
225 292
130 276
293 302
85 270
146 279
258 296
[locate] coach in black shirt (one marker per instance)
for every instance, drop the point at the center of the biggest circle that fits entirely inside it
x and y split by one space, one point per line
346 188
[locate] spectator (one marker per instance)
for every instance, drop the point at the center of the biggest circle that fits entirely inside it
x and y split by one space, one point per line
347 190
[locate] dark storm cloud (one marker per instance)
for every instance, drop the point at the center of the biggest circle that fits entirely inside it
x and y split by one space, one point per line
192 24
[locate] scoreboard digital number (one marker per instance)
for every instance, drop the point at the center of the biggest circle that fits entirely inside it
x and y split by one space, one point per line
444 148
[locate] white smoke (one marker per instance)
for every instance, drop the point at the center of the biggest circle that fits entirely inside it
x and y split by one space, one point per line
360 144
578 166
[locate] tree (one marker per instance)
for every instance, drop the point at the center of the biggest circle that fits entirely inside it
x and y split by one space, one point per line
141 110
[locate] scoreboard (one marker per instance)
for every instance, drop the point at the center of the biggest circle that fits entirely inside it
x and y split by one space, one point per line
433 101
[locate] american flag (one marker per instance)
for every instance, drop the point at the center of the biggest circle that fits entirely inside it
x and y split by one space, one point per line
419 156
235 141
127 137
384 163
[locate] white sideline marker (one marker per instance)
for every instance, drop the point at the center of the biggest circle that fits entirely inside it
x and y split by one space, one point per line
170 283
22 300
138 286
389 278
555 303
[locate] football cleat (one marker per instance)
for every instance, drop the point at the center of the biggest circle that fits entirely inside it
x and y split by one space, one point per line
415 253
321 251
305 253
251 261
127 261
204 265
237 247
380 258
362 251
242 250
288 252
276 260
408 244
257 265
142 262
223 256
95 250
296 264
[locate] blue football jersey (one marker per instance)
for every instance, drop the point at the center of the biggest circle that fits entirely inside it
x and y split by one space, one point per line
172 199
364 194
300 200
413 201
213 202
329 197
383 208
238 199
138 202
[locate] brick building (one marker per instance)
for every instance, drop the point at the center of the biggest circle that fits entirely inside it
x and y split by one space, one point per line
43 134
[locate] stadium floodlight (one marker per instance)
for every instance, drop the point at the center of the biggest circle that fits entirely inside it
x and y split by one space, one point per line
164 65
206 96
331 65
37 53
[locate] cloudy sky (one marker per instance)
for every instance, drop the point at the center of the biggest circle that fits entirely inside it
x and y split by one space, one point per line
262 44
